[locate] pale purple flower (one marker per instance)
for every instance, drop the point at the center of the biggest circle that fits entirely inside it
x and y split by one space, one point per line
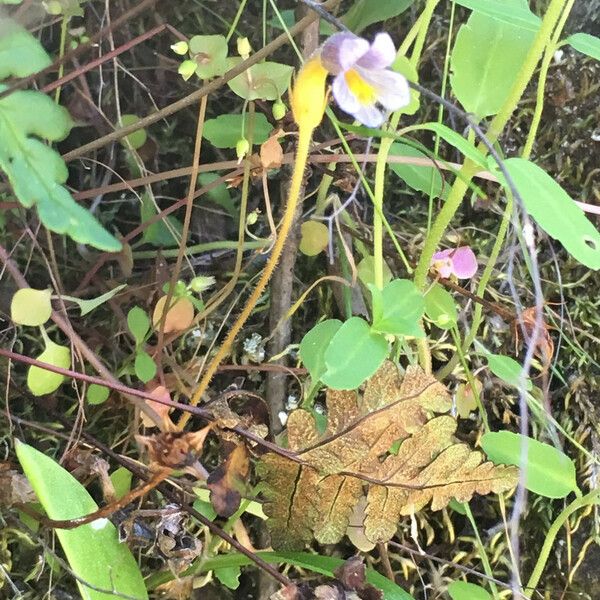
364 86
460 262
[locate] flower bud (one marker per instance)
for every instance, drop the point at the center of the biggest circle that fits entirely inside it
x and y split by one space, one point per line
279 109
201 283
180 48
243 47
309 96
252 217
241 148
187 68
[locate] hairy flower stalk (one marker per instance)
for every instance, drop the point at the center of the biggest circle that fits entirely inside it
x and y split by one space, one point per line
308 100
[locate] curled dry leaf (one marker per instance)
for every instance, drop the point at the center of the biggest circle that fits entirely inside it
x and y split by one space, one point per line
179 317
14 487
352 460
271 152
545 345
162 410
227 482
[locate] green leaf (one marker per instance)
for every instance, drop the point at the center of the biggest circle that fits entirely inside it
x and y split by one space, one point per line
550 472
138 323
138 138
423 179
460 590
97 394
20 53
314 345
366 271
555 211
210 53
145 367
36 172
366 12
158 233
40 381
440 307
121 480
226 130
398 308
229 576
87 306
354 354
507 369
264 81
31 307
93 551
486 60
512 12
458 141
586 44
314 238
220 194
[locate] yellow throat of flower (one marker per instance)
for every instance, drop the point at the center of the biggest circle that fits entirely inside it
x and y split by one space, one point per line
363 91
308 97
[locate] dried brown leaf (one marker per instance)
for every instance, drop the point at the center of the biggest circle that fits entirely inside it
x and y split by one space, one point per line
317 493
227 482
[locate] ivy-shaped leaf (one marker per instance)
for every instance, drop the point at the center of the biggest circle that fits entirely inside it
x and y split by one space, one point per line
36 172
20 53
264 81
317 495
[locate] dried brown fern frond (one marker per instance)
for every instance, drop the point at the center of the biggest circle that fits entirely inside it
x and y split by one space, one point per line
315 493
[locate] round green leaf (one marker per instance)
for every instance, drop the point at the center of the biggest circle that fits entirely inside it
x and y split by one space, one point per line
138 138
210 54
461 590
314 345
31 307
398 308
94 552
139 323
507 369
121 480
315 237
264 81
40 381
549 472
555 211
440 307
97 394
354 354
226 130
145 367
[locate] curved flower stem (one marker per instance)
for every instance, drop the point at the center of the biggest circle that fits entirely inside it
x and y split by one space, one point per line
469 168
384 150
304 137
592 498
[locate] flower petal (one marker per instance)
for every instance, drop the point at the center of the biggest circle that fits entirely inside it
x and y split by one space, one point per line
380 55
392 88
341 51
464 262
342 94
369 115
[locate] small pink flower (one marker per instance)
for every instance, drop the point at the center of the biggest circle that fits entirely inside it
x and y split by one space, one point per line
460 262
363 81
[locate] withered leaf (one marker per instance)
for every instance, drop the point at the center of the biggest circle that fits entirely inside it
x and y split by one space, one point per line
226 482
314 492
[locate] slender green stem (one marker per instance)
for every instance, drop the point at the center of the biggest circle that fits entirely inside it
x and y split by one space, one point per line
482 553
469 168
199 248
539 105
592 498
236 19
63 43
